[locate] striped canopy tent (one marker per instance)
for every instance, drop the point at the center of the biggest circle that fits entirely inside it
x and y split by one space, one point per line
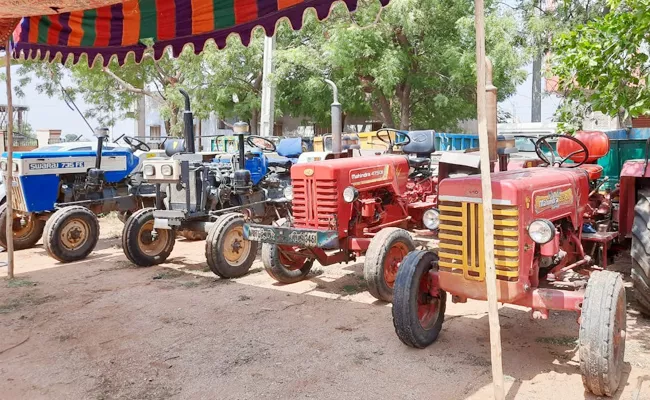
116 28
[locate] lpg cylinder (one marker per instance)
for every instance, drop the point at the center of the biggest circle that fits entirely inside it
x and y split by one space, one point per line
596 142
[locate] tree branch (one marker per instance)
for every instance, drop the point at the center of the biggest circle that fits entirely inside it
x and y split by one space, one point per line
127 86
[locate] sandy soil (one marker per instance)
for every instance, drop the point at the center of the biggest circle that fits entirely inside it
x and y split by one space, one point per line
103 329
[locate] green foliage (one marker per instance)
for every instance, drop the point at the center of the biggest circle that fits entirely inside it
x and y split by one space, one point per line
603 65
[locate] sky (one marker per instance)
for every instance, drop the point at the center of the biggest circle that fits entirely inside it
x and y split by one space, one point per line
52 113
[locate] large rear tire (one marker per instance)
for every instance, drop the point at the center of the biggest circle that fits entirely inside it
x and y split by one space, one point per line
602 333
228 253
383 257
283 267
140 245
640 252
71 234
25 237
417 315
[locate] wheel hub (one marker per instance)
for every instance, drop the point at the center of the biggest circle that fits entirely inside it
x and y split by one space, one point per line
236 249
392 261
74 234
427 304
22 225
152 242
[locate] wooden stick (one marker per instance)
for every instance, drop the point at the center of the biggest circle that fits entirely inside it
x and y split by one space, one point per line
9 182
488 217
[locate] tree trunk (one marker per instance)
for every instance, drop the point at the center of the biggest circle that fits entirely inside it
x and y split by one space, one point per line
168 127
255 120
386 112
405 108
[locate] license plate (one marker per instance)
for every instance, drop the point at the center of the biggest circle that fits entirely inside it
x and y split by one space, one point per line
291 236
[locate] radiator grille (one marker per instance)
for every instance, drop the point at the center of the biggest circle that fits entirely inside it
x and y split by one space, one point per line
17 197
462 240
315 203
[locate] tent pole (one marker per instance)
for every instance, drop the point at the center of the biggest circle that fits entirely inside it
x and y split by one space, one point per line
9 181
488 217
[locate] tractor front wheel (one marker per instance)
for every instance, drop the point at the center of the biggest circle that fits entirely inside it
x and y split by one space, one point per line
418 305
383 257
283 266
71 233
640 252
143 245
602 333
228 253
27 229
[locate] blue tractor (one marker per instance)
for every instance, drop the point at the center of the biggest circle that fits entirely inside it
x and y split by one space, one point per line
57 195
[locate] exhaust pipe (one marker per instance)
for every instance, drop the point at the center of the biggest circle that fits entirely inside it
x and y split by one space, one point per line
336 119
188 123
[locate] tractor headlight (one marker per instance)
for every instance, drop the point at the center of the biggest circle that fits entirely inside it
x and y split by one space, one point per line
431 219
288 193
541 231
149 170
3 165
350 194
167 170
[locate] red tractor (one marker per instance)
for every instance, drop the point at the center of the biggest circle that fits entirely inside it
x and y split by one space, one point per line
551 241
344 208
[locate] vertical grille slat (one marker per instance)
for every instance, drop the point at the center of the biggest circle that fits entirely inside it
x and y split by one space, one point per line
17 197
315 203
462 245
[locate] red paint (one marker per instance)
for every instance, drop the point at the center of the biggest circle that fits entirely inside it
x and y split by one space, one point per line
597 143
627 202
551 248
166 19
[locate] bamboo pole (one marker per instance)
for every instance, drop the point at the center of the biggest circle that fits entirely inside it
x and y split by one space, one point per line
488 217
9 182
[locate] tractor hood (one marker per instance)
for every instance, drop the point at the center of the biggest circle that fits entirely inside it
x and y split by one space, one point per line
362 172
549 193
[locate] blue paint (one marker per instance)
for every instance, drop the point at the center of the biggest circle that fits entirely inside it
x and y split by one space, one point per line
40 191
639 133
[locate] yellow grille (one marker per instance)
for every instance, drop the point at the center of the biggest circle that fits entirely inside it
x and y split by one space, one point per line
17 198
462 245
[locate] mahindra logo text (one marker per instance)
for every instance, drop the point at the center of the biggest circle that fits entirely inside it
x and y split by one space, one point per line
372 174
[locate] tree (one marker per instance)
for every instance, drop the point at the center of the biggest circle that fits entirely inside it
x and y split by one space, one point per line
603 65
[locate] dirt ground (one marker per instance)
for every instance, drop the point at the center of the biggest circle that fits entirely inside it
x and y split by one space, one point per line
103 329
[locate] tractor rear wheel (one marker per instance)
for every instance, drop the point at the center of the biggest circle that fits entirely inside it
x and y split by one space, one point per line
640 252
383 257
25 236
141 245
284 267
602 333
417 314
228 253
71 234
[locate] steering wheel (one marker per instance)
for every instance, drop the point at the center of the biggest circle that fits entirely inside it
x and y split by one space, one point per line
136 144
543 141
386 139
266 144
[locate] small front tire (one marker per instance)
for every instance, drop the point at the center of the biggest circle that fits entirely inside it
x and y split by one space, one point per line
417 314
140 245
25 237
228 253
383 257
283 267
602 333
71 234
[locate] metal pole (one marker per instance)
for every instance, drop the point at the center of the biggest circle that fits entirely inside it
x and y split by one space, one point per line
268 89
491 109
488 217
10 166
336 119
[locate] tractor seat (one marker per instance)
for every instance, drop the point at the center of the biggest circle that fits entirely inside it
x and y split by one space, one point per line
280 162
419 162
595 171
422 145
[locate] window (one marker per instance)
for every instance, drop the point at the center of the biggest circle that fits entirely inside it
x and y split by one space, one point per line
154 131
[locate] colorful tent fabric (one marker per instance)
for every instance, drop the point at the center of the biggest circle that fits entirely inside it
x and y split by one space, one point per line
120 29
